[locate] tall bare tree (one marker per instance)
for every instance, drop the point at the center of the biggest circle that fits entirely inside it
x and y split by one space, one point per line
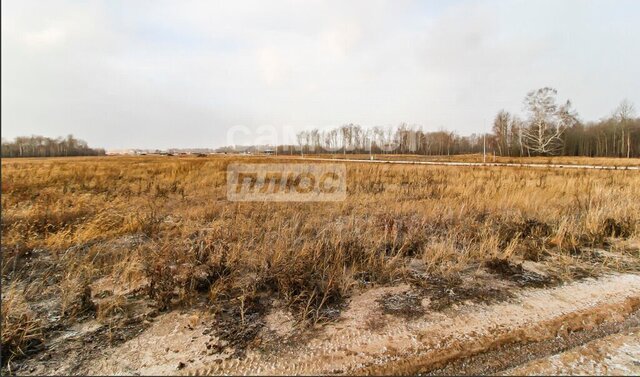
501 125
547 122
623 114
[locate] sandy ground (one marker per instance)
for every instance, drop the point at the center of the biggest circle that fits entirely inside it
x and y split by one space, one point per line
617 354
365 341
590 326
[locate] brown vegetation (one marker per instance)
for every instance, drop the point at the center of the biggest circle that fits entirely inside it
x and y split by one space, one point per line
117 238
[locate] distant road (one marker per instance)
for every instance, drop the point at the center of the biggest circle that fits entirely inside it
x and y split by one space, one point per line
481 164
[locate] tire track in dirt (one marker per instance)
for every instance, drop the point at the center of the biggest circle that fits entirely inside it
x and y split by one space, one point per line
511 358
617 354
432 341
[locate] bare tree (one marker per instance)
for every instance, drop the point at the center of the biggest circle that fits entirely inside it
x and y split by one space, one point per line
501 126
348 133
302 138
40 146
515 136
623 114
547 122
314 136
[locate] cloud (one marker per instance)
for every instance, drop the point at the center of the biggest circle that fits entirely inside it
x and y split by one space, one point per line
45 38
126 74
271 64
338 41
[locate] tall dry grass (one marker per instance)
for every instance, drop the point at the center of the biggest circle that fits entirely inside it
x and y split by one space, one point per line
160 228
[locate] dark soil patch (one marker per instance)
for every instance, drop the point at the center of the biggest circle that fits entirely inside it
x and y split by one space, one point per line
586 254
579 273
331 311
79 347
517 274
406 304
239 324
446 292
9 353
443 298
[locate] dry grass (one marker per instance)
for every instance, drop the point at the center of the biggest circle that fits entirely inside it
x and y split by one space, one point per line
161 229
21 330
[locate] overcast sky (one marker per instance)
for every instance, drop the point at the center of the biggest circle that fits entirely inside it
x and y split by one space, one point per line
157 74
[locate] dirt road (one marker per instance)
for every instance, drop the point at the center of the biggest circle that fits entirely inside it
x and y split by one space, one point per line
617 354
540 331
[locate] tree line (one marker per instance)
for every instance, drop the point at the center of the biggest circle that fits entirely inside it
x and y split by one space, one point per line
549 127
40 146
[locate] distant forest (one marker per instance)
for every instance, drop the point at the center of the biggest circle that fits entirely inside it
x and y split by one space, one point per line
40 146
549 129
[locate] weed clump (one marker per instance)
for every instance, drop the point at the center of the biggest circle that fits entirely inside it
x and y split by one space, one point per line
21 329
617 227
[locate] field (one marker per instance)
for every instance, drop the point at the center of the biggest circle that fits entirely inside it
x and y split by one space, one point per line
115 244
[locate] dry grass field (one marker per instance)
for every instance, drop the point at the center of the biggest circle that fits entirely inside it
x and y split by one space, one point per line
120 239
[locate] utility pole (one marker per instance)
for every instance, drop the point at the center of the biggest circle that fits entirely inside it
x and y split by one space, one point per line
370 154
484 148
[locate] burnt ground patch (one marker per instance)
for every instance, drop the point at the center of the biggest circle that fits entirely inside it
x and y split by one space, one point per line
405 304
517 274
445 292
239 323
78 346
445 296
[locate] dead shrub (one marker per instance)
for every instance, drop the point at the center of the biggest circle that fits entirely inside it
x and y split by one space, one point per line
617 228
21 329
76 298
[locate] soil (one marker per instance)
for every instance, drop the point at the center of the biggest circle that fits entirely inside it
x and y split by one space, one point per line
406 304
382 330
617 355
527 357
516 273
401 346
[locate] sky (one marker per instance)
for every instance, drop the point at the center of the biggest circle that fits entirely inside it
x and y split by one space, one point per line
185 73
